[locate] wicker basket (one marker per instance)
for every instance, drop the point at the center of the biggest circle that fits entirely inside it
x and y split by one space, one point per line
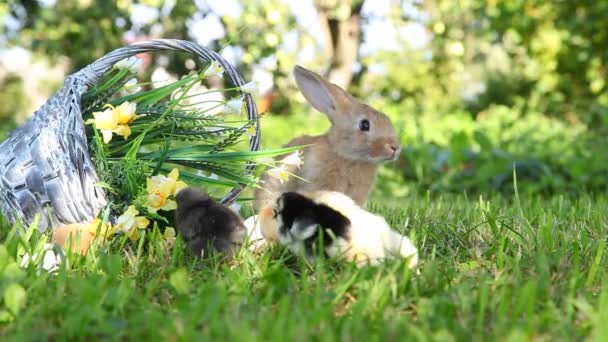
45 165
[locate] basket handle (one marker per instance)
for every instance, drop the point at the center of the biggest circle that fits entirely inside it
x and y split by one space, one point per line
92 73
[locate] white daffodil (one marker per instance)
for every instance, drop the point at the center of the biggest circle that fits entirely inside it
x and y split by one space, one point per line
131 86
214 69
234 106
133 63
251 88
293 159
251 131
279 173
267 161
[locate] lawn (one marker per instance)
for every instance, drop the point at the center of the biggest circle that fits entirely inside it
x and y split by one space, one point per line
492 269
502 183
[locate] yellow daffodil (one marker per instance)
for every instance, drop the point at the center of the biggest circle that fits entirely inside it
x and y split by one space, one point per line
279 173
159 199
105 231
134 64
105 122
125 112
114 120
160 188
130 223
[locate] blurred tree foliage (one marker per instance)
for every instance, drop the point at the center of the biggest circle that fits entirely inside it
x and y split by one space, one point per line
84 30
81 30
547 57
12 99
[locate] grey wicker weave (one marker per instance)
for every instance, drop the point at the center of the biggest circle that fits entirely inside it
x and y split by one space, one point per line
45 165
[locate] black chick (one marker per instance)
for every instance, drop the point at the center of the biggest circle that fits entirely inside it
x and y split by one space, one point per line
205 223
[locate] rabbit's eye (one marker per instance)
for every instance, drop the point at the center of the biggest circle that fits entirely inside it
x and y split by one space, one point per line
364 125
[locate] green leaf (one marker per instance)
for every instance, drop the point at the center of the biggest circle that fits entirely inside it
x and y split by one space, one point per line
15 298
6 316
177 151
180 281
482 139
106 85
190 154
5 258
194 178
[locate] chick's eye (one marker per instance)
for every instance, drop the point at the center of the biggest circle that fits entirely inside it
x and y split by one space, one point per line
364 125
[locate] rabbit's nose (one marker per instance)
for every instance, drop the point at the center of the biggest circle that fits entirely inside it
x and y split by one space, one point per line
396 149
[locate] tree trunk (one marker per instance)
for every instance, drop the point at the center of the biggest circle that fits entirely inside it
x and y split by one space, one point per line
342 39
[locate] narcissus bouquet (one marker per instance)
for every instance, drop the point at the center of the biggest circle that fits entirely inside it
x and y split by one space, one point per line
149 141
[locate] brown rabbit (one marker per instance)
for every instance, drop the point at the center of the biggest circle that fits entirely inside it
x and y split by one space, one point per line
346 158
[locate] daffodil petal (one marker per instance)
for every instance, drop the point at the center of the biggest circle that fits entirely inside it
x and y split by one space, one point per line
251 131
179 185
155 200
105 120
93 226
107 135
141 222
149 185
133 234
293 159
131 211
234 106
279 173
250 87
174 174
167 189
169 205
123 131
125 113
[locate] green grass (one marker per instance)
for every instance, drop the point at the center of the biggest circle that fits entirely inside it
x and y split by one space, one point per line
491 270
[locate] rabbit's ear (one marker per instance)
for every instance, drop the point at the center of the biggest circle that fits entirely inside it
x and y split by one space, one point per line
324 96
